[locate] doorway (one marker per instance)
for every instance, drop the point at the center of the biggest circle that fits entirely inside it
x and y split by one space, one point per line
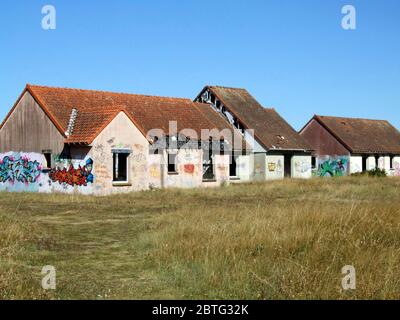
288 165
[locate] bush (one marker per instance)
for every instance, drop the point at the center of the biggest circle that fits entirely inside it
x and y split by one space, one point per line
371 173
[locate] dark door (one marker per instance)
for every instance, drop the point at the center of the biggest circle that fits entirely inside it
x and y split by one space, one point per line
288 166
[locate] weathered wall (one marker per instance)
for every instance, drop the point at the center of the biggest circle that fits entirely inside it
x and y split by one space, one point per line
322 141
121 133
371 163
355 164
259 167
384 163
189 169
23 172
28 129
274 167
245 167
301 167
333 166
396 167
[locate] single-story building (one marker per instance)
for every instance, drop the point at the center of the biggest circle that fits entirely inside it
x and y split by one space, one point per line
348 145
278 150
95 142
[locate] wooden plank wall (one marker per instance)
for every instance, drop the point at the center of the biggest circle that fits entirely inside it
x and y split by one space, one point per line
28 129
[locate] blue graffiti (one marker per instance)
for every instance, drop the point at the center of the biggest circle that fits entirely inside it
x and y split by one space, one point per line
19 170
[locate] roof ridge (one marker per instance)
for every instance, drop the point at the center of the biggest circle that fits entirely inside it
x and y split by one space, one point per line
351 118
32 86
225 87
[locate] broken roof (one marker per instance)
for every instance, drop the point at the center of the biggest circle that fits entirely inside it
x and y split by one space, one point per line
96 109
362 135
270 129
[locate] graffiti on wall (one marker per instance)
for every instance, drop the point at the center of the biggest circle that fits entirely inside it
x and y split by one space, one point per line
332 166
19 169
275 166
189 168
72 176
396 168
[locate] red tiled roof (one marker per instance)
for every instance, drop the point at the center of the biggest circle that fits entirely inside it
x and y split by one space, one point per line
363 135
270 129
96 109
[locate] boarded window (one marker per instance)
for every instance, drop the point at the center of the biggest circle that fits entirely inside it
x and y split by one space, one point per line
120 165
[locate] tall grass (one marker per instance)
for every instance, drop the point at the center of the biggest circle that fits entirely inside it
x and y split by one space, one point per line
278 240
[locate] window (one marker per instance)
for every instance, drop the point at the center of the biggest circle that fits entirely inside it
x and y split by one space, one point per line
48 163
120 165
172 163
208 166
391 162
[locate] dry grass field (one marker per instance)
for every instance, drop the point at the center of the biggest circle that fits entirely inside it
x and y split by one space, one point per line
278 240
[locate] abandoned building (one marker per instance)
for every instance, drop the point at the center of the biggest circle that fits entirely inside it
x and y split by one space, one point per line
348 145
96 142
278 151
70 140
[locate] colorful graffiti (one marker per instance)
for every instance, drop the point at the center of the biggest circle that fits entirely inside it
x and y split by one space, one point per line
271 166
396 169
73 177
332 167
189 168
19 169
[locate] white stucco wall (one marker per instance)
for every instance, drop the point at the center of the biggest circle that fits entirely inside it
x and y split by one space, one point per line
396 167
245 167
384 163
121 133
301 167
275 167
371 163
259 167
355 164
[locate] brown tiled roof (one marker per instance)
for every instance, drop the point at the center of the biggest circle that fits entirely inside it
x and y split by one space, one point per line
96 109
363 135
270 129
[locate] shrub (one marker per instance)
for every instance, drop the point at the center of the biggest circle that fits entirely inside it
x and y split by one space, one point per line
371 173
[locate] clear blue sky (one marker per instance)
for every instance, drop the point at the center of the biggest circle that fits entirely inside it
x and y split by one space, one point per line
290 54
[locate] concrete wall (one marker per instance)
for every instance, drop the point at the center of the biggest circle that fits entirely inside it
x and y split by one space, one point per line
301 167
274 167
384 163
355 164
24 172
333 166
396 167
371 163
121 133
245 167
